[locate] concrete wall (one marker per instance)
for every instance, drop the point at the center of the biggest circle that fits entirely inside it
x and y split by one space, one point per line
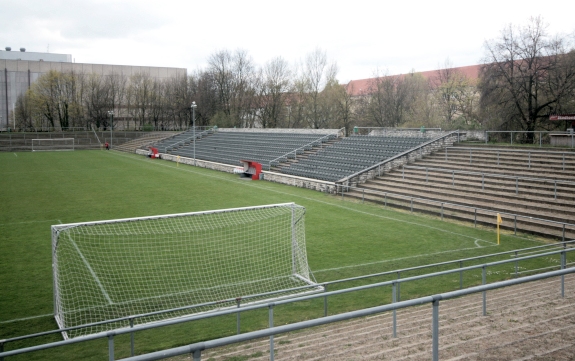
314 184
16 76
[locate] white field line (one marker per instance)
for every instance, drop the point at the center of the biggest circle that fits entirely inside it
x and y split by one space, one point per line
251 184
26 318
91 271
395 259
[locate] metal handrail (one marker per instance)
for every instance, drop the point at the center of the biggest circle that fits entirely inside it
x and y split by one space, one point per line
483 175
389 160
304 146
197 135
442 203
238 310
111 334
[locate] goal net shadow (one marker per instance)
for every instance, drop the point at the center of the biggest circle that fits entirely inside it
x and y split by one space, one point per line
169 266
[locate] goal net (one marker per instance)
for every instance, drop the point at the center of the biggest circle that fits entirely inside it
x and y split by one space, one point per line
52 144
112 269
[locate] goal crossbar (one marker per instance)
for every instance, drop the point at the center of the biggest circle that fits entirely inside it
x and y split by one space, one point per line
52 144
110 269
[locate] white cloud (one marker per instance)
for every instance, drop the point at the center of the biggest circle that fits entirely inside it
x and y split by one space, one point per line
360 36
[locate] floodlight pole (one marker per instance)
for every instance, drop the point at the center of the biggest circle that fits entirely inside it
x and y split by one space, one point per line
111 114
194 128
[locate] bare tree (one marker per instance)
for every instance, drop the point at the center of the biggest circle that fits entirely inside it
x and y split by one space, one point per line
527 75
274 84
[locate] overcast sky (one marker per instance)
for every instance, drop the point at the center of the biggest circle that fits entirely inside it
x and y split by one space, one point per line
360 36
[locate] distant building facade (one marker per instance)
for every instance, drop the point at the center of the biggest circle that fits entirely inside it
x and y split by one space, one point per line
20 69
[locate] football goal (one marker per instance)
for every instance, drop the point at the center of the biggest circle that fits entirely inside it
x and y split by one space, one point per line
52 144
106 270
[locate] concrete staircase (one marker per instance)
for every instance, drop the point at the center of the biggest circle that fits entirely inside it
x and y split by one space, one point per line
436 178
524 322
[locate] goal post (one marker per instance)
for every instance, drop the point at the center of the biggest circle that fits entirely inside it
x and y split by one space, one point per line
52 144
111 269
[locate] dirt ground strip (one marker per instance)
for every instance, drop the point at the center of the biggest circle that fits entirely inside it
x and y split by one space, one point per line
525 322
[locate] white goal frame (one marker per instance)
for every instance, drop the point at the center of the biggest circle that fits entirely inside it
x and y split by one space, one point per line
114 269
52 144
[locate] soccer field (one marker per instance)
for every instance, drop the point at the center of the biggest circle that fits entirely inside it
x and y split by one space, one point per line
344 238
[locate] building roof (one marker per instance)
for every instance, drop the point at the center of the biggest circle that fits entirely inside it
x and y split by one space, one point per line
360 86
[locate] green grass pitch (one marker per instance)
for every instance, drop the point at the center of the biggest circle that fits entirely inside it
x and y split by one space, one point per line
344 238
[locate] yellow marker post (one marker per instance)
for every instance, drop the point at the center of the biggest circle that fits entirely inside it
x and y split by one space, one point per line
499 221
178 161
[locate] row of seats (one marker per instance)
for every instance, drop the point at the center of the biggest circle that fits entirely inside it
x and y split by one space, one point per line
351 155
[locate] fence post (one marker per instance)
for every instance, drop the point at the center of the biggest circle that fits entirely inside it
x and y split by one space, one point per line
484 280
197 355
470 157
426 175
515 226
516 185
563 263
563 238
497 157
529 160
271 319
111 347
435 330
482 181
460 275
394 316
475 217
131 338
555 190
516 265
398 287
238 317
324 301
442 211
453 178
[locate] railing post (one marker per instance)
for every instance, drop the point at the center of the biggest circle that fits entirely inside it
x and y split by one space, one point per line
403 171
555 191
516 185
563 264
426 175
131 338
362 195
483 281
453 178
394 315
271 322
110 347
516 265
563 238
398 287
475 217
497 157
238 317
460 275
197 355
529 159
324 301
470 157
482 181
435 330
515 225
442 211
446 153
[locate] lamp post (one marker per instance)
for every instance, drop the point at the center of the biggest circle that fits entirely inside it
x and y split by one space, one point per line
194 128
111 115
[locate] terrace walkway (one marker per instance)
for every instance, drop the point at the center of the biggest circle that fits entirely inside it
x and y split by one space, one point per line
525 322
538 184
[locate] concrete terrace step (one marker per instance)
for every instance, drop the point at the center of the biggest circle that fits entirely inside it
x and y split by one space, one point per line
532 312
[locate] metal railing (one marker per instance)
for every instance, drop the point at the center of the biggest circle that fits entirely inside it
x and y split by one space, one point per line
303 147
513 133
484 175
197 135
499 151
395 158
396 304
442 204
